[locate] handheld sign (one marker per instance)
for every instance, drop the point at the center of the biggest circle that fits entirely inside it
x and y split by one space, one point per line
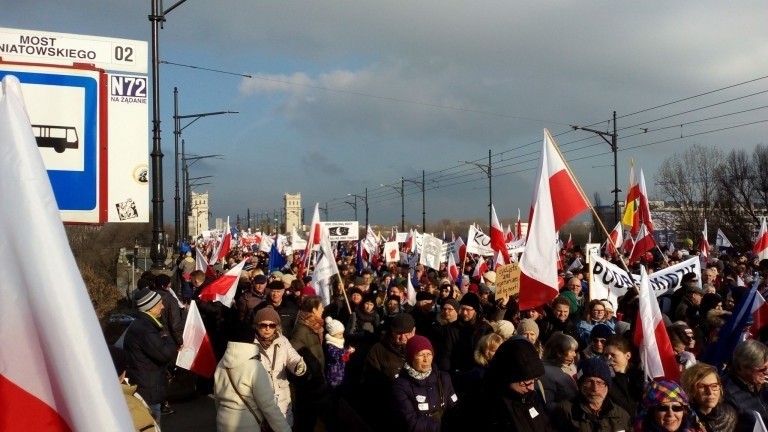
508 280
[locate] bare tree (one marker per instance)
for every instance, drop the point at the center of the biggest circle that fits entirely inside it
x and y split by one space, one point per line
690 182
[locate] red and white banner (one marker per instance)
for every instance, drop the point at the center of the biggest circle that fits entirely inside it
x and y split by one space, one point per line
761 244
224 287
651 338
56 373
197 353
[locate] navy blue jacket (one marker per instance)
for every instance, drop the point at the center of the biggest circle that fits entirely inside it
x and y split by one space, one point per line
150 351
416 401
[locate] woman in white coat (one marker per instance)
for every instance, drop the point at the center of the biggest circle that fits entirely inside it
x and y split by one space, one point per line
278 357
243 392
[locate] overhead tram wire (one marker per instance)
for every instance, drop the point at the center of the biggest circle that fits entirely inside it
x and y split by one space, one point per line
444 174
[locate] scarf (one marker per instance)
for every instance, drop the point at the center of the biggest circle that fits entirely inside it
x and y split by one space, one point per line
266 343
364 316
337 342
312 321
420 376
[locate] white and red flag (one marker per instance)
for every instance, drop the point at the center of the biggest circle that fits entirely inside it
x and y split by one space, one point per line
643 243
759 314
556 200
197 353
480 268
223 289
518 227
410 296
223 248
202 265
761 244
615 240
497 236
569 243
56 373
651 338
509 235
460 248
498 261
453 269
703 243
637 211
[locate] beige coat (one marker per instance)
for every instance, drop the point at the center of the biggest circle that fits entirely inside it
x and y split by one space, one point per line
278 360
253 383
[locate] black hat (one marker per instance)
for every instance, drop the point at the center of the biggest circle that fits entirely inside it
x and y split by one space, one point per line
472 300
403 323
359 281
276 285
516 360
594 367
260 279
453 302
424 295
355 290
343 267
600 331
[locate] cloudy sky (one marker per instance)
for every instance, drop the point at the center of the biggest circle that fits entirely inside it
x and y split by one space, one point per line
335 97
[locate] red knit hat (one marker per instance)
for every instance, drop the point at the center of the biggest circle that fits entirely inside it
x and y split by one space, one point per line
416 345
308 291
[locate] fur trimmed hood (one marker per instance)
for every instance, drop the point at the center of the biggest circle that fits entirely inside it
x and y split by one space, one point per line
716 318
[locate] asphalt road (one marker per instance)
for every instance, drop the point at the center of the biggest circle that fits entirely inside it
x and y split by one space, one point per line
194 415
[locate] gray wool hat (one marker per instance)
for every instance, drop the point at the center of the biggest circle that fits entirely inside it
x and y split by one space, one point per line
146 299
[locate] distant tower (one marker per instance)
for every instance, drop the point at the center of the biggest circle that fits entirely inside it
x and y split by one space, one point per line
292 211
198 215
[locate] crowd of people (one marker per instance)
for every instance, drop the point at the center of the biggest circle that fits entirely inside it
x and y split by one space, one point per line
455 356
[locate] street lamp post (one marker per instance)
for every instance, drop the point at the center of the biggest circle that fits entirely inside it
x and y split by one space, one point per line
177 129
353 204
420 184
365 200
614 148
486 168
187 191
401 191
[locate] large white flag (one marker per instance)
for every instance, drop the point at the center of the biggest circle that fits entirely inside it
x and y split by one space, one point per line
325 267
55 371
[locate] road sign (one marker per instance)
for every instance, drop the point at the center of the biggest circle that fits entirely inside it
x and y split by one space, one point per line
91 126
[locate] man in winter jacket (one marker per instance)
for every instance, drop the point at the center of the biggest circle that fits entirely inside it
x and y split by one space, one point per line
150 350
591 410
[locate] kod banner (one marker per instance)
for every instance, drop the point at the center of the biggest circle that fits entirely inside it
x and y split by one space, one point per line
611 281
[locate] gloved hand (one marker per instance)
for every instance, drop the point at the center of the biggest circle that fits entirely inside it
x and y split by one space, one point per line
300 368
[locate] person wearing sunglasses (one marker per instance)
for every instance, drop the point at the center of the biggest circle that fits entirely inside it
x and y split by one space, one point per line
665 408
702 383
744 385
278 357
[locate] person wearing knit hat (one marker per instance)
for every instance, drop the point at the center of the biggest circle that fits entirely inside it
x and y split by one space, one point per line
462 335
471 300
336 353
665 407
151 350
421 393
528 329
504 329
600 333
509 397
592 409
450 311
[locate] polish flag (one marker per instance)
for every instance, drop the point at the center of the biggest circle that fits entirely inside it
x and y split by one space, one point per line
224 287
461 248
761 244
480 268
566 198
410 293
703 243
557 199
637 211
202 265
643 243
409 242
197 353
759 314
497 236
628 245
651 338
569 243
519 227
615 239
453 270
223 249
56 373
509 235
498 261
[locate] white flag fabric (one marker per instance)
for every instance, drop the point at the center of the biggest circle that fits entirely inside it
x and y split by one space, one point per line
391 252
325 267
197 353
411 293
759 424
55 370
650 336
478 243
722 240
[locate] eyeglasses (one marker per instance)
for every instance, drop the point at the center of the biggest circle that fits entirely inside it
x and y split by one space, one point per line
668 408
599 340
597 383
712 387
267 325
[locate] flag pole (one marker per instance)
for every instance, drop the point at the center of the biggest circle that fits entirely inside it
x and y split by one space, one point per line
584 195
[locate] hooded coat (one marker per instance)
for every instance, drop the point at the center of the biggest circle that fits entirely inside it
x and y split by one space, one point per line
251 381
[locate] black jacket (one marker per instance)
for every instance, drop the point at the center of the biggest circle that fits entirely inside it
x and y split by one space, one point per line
171 317
511 412
150 350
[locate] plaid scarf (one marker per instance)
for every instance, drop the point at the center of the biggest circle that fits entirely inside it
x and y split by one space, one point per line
312 321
